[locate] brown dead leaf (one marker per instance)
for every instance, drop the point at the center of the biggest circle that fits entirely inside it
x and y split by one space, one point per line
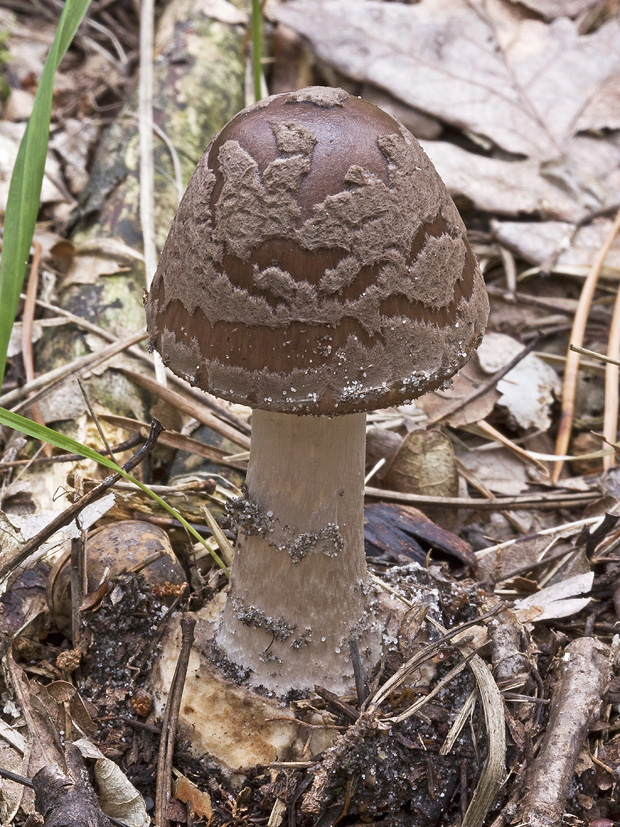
481 67
502 187
188 793
526 86
559 243
498 470
424 464
72 144
464 384
528 390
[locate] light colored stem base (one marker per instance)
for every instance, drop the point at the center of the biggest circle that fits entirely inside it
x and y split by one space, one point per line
298 589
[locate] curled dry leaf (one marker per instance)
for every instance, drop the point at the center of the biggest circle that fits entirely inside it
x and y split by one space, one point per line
527 391
424 464
437 404
559 600
118 796
559 244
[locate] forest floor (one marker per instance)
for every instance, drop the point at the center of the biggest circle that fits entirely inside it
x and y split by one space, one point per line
496 701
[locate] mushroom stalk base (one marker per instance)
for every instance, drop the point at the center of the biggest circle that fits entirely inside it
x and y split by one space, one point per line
298 589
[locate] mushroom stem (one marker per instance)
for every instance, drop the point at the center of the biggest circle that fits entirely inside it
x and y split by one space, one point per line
298 589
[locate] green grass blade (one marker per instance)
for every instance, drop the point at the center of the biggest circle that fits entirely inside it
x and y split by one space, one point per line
25 189
72 446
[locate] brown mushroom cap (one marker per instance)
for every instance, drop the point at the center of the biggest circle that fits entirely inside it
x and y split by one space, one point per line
317 264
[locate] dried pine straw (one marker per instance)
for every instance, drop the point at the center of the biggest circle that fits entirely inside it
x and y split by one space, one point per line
569 386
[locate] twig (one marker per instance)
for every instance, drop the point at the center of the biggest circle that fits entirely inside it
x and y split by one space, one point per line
169 724
27 325
612 376
94 416
606 359
26 782
527 502
486 386
569 386
188 406
133 440
48 382
543 533
147 174
257 34
11 560
78 569
576 701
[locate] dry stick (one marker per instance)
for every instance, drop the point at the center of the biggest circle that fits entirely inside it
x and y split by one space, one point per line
530 501
147 359
79 582
569 386
576 701
188 406
26 782
612 376
169 724
585 352
486 386
133 440
27 325
10 561
94 417
48 382
492 433
147 174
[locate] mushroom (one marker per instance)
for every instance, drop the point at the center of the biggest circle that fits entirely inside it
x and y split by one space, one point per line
317 269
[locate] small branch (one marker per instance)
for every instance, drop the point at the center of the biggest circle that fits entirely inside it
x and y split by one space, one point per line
78 570
576 701
526 502
169 724
133 440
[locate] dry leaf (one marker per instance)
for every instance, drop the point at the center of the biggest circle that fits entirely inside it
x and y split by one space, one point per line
118 796
520 82
526 86
558 243
502 187
499 470
527 391
463 385
10 137
199 801
556 601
